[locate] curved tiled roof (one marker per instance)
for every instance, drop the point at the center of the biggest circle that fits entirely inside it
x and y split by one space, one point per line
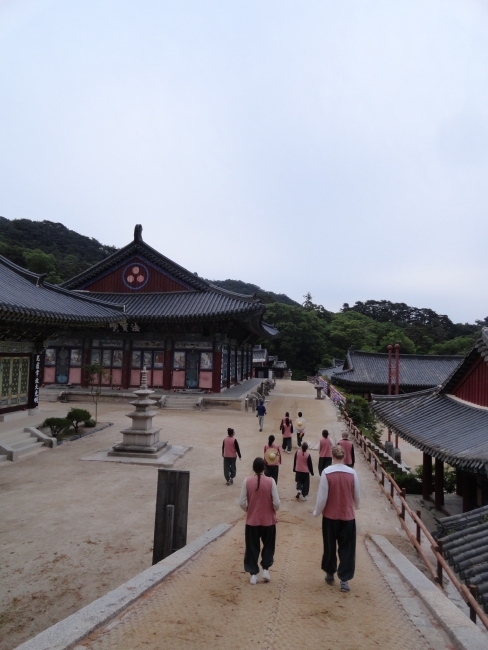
416 371
444 427
480 348
25 297
181 305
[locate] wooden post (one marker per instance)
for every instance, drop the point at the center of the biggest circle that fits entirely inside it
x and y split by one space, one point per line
419 530
217 370
170 526
427 476
168 368
459 482
439 484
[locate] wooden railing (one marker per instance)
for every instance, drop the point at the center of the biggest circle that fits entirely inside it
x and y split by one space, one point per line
391 490
336 396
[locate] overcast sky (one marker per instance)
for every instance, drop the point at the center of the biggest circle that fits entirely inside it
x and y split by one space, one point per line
334 147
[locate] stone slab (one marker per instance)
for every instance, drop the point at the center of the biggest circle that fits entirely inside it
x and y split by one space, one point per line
75 628
166 460
465 634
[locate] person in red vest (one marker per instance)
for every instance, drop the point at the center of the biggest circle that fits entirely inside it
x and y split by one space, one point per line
302 466
230 451
325 451
260 500
337 498
287 415
272 459
348 450
287 430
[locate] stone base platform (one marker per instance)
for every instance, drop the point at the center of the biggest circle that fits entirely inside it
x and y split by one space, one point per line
171 454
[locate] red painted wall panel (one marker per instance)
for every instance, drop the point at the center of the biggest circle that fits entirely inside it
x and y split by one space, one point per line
474 386
135 277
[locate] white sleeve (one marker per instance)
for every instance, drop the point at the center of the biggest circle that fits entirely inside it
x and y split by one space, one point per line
322 495
243 496
275 496
357 493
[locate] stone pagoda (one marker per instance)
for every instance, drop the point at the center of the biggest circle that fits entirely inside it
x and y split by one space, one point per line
142 439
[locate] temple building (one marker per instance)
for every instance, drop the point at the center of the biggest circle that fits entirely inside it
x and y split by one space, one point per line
364 373
448 423
31 312
188 333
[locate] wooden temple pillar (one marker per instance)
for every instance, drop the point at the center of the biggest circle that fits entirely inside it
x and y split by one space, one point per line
168 367
126 368
427 476
217 369
469 491
86 354
459 482
439 484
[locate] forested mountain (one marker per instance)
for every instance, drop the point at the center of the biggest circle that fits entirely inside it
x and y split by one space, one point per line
249 289
48 247
310 335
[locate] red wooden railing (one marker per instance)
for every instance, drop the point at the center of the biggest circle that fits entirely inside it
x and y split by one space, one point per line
402 510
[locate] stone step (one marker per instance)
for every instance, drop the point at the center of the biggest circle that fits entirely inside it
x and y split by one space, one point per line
181 402
28 449
23 441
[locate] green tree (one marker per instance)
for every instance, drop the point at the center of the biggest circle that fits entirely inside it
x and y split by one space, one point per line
77 416
302 340
40 262
57 426
397 335
458 345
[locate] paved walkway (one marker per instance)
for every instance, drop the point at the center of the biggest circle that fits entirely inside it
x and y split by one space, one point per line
210 603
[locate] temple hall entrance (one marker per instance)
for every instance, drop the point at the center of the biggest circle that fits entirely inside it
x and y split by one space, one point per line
192 364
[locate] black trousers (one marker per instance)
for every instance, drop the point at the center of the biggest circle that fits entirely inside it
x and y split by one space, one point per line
303 482
323 463
300 435
272 471
229 468
339 539
286 444
255 535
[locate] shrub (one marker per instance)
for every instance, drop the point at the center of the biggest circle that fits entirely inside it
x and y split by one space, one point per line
57 426
410 482
77 416
90 423
449 485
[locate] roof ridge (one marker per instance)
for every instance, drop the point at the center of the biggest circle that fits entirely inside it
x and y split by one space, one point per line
408 356
393 398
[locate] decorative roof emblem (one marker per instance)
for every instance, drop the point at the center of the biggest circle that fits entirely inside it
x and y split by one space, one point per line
135 276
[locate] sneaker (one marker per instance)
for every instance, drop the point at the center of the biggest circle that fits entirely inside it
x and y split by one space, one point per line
231 481
298 496
345 586
329 578
228 483
304 498
253 580
266 576
288 451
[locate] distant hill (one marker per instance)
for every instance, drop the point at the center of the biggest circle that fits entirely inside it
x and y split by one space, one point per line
61 253
66 253
249 289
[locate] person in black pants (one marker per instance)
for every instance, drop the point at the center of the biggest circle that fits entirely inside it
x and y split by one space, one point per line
302 466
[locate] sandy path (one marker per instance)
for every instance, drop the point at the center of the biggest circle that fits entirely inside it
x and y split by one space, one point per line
210 603
70 531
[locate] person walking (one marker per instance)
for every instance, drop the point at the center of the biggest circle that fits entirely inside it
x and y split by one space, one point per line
300 428
337 498
287 415
287 431
348 447
260 413
260 500
302 466
230 451
325 451
272 459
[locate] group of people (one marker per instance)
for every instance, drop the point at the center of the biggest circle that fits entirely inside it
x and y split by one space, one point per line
337 498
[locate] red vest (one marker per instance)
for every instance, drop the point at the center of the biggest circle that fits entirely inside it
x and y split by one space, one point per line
325 450
287 430
340 501
301 465
260 511
347 446
229 447
273 447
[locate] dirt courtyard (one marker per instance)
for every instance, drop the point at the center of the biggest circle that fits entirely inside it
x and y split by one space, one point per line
73 530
